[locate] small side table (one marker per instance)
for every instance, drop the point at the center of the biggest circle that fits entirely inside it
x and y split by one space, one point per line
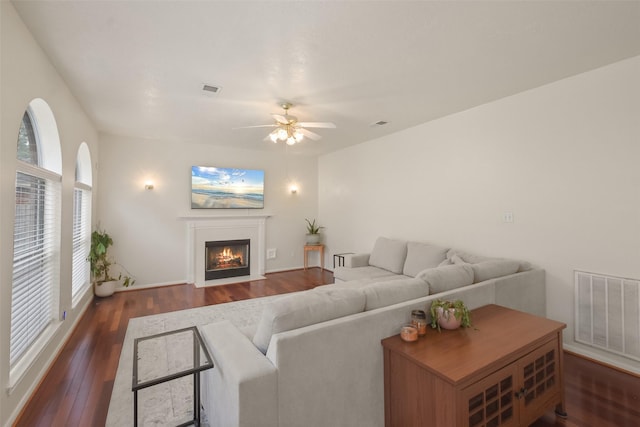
340 258
192 358
309 248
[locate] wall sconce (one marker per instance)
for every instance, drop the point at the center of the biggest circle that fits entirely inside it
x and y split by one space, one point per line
293 188
148 185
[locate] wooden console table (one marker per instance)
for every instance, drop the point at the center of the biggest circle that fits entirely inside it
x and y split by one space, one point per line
308 248
506 370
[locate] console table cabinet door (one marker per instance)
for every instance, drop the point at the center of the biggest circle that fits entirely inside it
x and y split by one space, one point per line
491 401
515 395
540 383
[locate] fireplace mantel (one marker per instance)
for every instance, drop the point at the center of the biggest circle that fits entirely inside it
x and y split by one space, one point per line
202 228
207 217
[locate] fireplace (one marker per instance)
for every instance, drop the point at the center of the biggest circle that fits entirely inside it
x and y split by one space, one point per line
201 229
227 258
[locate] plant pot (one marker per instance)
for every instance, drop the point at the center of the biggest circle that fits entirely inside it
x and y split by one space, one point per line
105 289
314 239
449 320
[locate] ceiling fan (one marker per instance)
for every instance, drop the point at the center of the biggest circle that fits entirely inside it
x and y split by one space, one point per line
289 129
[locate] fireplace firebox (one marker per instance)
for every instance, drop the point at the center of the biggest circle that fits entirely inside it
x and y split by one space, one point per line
227 258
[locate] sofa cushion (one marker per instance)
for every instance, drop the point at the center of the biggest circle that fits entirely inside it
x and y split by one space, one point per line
421 256
457 260
467 257
356 260
304 309
448 277
496 268
382 294
446 261
389 254
362 283
346 274
524 266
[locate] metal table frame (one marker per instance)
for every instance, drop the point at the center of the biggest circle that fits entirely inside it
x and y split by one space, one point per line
340 258
198 344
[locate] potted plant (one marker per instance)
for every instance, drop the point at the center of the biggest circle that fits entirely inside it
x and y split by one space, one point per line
104 284
313 232
449 314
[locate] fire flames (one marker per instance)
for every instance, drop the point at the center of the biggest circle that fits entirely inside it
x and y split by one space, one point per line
226 258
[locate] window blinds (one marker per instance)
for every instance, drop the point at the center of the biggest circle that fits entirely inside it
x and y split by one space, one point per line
35 260
81 240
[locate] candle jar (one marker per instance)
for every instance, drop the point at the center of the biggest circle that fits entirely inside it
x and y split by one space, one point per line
419 320
409 333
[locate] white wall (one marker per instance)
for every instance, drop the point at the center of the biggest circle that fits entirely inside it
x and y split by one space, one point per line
563 158
150 239
25 74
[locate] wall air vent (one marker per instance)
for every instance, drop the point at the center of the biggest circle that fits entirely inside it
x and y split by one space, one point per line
210 88
607 313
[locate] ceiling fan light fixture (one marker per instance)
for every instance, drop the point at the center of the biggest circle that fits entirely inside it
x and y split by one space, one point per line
286 128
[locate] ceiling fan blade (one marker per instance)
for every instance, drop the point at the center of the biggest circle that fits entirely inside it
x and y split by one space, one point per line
309 134
280 119
256 126
325 125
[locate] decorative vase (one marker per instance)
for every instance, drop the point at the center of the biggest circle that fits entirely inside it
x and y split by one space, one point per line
313 239
448 321
106 289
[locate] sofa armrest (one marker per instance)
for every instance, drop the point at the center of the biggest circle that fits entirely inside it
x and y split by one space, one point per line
241 389
356 260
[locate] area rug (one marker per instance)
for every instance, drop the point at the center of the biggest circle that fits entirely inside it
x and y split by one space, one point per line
171 403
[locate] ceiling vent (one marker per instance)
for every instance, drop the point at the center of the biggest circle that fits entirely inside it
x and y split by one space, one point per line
210 88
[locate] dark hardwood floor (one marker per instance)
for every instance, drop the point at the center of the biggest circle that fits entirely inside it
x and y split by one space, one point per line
77 389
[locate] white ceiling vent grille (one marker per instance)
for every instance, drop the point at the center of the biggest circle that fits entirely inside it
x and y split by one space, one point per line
210 88
607 313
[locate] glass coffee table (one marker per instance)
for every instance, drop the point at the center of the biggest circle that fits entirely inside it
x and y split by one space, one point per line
168 356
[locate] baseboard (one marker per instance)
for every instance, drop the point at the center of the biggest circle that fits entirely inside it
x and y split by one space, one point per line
150 285
284 270
229 281
629 367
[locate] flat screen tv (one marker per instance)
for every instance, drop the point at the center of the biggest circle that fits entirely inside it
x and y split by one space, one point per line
226 188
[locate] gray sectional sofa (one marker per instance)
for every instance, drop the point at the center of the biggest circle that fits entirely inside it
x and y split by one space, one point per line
314 358
393 259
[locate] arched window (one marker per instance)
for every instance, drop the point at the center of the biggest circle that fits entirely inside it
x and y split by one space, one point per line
36 237
27 142
81 224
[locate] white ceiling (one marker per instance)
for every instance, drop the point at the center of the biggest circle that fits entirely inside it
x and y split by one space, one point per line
138 67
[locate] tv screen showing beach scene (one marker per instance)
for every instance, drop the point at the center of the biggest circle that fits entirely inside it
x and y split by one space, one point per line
226 188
